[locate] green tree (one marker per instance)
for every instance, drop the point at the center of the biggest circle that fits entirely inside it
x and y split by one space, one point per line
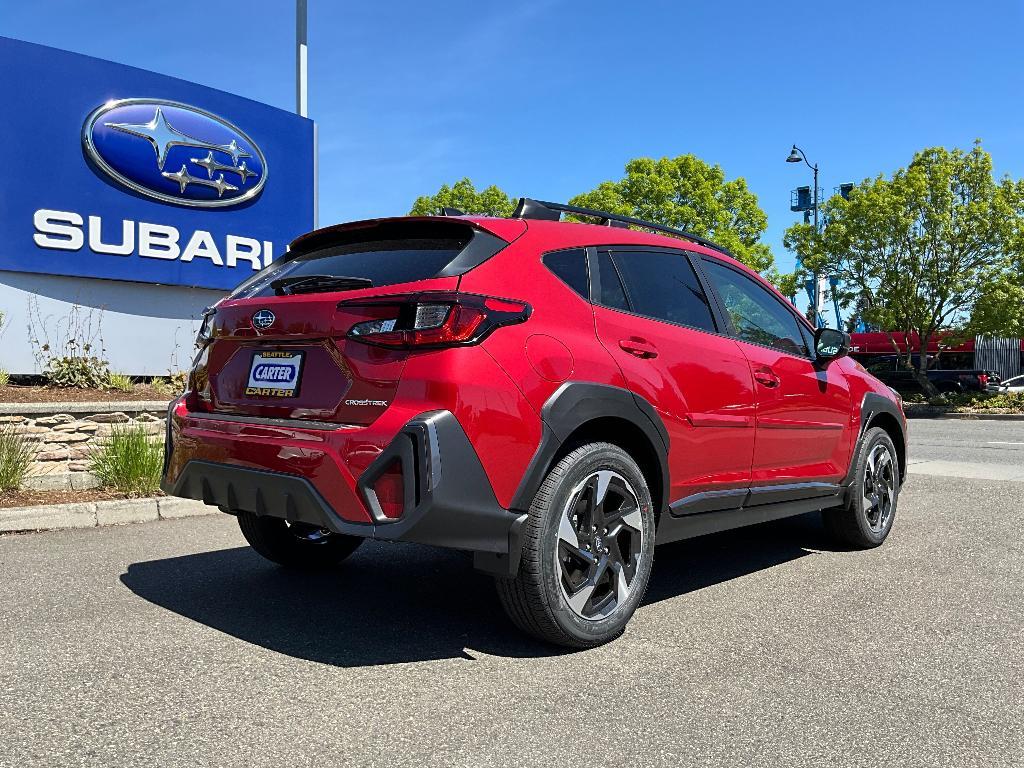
999 310
687 193
463 195
922 246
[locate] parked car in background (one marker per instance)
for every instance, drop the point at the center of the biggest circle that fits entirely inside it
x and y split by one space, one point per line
1016 384
890 370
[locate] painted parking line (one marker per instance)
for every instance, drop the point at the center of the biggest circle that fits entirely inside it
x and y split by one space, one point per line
968 470
1002 442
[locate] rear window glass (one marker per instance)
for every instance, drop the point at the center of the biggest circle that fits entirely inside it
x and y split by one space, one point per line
571 267
384 255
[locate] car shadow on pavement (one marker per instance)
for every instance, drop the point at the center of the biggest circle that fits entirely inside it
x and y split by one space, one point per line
392 603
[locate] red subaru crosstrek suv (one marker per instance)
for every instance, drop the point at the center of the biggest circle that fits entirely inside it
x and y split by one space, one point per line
554 397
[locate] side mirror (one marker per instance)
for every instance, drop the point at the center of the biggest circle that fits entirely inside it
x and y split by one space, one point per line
830 344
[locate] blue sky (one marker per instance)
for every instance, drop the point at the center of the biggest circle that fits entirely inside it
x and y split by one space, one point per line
549 97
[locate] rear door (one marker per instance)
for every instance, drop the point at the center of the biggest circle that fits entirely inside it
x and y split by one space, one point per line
804 412
653 316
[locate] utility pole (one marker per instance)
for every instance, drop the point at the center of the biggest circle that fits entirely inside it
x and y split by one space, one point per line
301 55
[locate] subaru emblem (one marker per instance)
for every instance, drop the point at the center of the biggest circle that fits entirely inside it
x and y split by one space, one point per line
174 153
263 319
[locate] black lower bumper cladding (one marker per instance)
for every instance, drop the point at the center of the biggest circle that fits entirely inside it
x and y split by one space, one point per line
449 501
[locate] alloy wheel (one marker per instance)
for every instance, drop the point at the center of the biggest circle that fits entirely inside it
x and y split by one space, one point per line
879 487
600 542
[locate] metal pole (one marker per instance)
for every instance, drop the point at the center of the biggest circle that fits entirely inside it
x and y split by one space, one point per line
301 103
817 287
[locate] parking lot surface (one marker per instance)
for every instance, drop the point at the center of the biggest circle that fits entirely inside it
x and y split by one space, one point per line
172 644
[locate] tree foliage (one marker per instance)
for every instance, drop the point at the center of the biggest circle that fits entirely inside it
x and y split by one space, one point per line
999 310
463 195
687 193
922 246
682 192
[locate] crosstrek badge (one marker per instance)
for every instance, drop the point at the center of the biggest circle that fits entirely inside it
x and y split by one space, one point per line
274 374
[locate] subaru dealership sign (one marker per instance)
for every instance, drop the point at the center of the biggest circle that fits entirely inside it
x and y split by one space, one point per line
118 173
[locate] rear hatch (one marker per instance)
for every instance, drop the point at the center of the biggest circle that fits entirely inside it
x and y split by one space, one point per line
278 346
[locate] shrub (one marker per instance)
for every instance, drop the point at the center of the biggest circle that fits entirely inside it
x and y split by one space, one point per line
76 357
120 382
1008 400
77 372
5 378
173 384
16 453
129 460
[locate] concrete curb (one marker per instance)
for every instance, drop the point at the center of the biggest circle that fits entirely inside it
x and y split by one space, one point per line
50 517
912 414
115 406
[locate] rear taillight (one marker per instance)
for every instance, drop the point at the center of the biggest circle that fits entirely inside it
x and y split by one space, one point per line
433 320
983 380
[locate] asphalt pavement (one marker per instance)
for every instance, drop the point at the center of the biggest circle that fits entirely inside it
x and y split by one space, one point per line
172 644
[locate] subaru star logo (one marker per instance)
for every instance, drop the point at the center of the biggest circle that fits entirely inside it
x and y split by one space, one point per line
263 319
174 153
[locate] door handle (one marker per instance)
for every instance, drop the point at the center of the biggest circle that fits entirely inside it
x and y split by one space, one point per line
766 377
639 348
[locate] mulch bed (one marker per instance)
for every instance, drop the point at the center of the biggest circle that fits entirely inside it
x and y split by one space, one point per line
32 498
38 394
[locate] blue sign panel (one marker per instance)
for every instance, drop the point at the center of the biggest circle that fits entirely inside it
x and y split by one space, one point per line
115 172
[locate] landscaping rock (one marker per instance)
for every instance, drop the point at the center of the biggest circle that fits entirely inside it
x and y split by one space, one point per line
57 418
117 417
77 426
65 437
81 480
55 455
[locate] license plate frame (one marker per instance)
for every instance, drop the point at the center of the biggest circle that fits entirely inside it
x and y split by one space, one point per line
273 384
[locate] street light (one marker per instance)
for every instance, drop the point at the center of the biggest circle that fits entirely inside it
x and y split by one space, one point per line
796 155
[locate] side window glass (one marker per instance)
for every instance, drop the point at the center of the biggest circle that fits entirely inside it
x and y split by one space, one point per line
758 317
664 286
612 294
808 337
571 268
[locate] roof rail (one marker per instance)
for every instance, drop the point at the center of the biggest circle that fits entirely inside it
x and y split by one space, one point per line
540 209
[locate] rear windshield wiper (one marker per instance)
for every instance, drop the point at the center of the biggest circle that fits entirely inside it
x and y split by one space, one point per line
312 283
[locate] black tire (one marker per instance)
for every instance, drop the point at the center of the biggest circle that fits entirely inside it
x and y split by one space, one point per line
295 545
860 523
537 599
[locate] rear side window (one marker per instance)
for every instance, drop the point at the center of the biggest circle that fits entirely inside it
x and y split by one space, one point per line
571 269
385 254
663 286
756 314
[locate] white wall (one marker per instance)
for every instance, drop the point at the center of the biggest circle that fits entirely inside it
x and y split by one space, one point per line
146 328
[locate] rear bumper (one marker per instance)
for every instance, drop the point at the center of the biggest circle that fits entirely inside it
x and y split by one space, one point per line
449 500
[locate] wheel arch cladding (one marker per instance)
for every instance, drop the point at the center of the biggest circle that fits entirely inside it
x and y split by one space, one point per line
581 412
878 411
